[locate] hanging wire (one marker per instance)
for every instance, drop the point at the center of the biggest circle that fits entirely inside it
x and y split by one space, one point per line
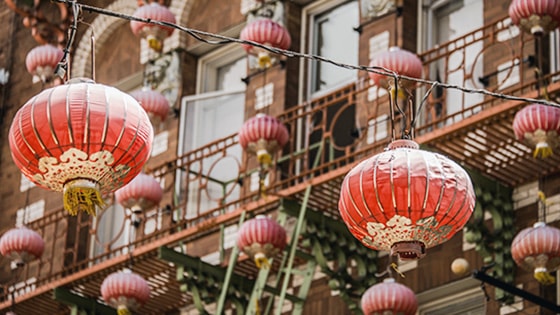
62 67
221 39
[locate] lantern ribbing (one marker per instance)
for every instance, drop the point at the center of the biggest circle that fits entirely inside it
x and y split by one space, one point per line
82 138
405 200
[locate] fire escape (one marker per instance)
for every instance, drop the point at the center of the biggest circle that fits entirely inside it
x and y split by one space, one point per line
303 191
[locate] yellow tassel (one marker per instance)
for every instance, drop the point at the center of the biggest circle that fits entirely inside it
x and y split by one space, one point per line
264 158
123 311
261 261
155 43
264 60
80 195
542 150
401 94
544 278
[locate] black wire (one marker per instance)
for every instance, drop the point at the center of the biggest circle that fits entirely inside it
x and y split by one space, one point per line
199 35
62 66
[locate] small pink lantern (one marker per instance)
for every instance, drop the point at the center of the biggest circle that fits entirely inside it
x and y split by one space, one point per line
125 291
261 238
142 193
263 135
153 102
405 200
535 16
268 33
22 245
155 34
402 62
41 62
539 126
389 297
537 248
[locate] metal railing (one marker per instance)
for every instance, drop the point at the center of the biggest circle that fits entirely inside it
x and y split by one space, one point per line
327 133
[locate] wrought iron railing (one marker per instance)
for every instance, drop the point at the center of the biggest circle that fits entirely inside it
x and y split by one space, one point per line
326 134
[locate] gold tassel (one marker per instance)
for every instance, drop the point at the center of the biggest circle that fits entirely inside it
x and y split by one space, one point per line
122 310
544 277
81 195
542 151
261 261
264 60
155 44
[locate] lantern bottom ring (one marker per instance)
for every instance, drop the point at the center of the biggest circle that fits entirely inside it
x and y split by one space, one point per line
409 250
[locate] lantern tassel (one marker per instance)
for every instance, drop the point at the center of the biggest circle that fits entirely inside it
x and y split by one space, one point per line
261 261
82 194
154 43
264 60
542 150
122 310
544 277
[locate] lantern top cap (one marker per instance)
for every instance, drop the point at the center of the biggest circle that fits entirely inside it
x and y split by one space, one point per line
539 224
261 216
403 143
389 280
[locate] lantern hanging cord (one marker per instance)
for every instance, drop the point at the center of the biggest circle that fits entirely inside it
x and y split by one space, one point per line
62 66
221 39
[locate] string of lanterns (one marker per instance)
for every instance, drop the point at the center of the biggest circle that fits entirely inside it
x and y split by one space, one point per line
404 200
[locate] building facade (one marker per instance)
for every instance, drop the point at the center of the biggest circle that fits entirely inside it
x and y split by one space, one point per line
185 247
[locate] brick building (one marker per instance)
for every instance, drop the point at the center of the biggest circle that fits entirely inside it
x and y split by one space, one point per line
185 246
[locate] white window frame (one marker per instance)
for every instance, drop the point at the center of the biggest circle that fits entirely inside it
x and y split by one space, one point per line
307 16
213 61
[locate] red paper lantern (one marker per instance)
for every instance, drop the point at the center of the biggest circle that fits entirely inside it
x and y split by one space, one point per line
539 126
153 102
142 193
265 32
402 62
22 245
153 33
82 138
125 291
263 135
535 16
389 297
261 238
537 248
41 62
406 200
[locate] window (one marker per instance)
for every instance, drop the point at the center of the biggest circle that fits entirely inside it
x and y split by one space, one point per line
443 20
217 111
332 36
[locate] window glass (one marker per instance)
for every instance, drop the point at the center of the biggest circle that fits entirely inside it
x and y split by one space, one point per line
333 37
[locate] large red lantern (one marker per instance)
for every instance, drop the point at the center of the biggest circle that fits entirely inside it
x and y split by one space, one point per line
22 245
153 102
535 16
263 135
402 62
125 291
261 238
142 193
406 200
537 248
82 138
155 34
389 297
41 62
268 33
539 126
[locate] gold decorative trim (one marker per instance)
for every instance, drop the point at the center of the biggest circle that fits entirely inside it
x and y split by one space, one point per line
75 164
